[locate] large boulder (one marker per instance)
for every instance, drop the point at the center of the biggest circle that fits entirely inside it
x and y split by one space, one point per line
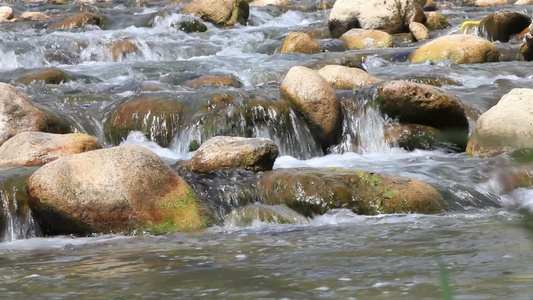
224 152
316 100
415 103
122 189
342 77
356 39
300 42
457 48
154 116
40 148
505 127
500 26
392 16
220 12
18 114
315 191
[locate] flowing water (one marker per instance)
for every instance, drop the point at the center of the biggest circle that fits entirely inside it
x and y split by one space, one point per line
482 243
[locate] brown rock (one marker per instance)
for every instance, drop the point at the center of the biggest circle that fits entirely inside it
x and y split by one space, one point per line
18 114
224 152
222 12
500 26
48 76
300 42
121 189
156 117
211 80
316 100
39 148
34 16
457 48
413 136
324 5
436 21
78 21
366 39
419 31
346 78
422 104
120 48
317 190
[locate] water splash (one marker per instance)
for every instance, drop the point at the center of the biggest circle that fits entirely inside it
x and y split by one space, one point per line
15 225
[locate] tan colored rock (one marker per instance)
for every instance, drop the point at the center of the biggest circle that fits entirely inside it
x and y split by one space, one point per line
419 31
316 100
120 48
391 16
366 39
524 2
33 16
78 21
40 148
346 78
122 189
315 191
505 127
415 103
222 12
6 13
491 2
224 152
500 26
324 5
436 21
457 48
18 114
269 2
212 80
300 42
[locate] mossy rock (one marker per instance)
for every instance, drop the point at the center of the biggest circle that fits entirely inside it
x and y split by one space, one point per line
123 189
156 117
315 191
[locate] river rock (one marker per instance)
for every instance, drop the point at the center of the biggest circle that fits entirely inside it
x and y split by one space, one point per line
220 12
300 42
391 16
457 48
356 39
505 127
436 21
79 21
415 103
324 5
33 16
6 13
120 48
269 2
279 214
316 100
224 152
526 49
500 26
413 136
523 2
18 114
317 190
121 189
155 116
47 75
40 148
214 80
491 2
419 31
346 78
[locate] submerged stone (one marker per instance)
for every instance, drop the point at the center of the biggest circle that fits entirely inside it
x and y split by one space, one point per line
122 189
412 136
79 21
277 214
315 191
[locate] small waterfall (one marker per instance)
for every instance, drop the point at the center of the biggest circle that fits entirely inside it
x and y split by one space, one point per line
16 226
363 126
